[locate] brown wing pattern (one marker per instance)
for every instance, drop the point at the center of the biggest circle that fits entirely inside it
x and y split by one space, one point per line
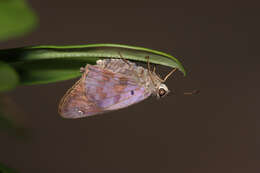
75 104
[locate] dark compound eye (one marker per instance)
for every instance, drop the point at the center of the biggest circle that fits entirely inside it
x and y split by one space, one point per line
132 92
162 92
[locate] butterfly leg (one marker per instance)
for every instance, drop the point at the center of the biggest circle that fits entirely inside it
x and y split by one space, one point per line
154 69
149 66
129 65
124 59
149 69
148 63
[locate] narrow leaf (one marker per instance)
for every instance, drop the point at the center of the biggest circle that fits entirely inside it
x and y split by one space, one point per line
45 64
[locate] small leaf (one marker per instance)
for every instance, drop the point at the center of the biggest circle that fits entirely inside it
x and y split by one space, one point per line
16 19
8 77
45 64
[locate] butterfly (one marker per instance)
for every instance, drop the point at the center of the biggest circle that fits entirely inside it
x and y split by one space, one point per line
109 85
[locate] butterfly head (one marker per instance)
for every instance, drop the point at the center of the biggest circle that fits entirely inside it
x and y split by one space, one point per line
162 90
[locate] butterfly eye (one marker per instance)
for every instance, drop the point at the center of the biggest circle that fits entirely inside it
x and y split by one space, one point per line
161 92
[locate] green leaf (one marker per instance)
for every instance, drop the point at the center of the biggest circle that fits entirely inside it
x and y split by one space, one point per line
8 77
45 64
5 169
16 19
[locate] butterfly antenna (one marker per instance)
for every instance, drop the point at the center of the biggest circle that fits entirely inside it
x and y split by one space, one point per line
169 74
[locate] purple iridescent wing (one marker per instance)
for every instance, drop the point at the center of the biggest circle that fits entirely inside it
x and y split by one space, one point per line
111 91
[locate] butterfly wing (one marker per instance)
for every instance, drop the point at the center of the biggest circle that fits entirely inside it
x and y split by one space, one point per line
111 91
75 104
101 90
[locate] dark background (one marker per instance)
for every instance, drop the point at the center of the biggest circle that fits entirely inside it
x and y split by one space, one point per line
214 131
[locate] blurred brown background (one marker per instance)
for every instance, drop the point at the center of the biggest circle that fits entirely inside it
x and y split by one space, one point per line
215 131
